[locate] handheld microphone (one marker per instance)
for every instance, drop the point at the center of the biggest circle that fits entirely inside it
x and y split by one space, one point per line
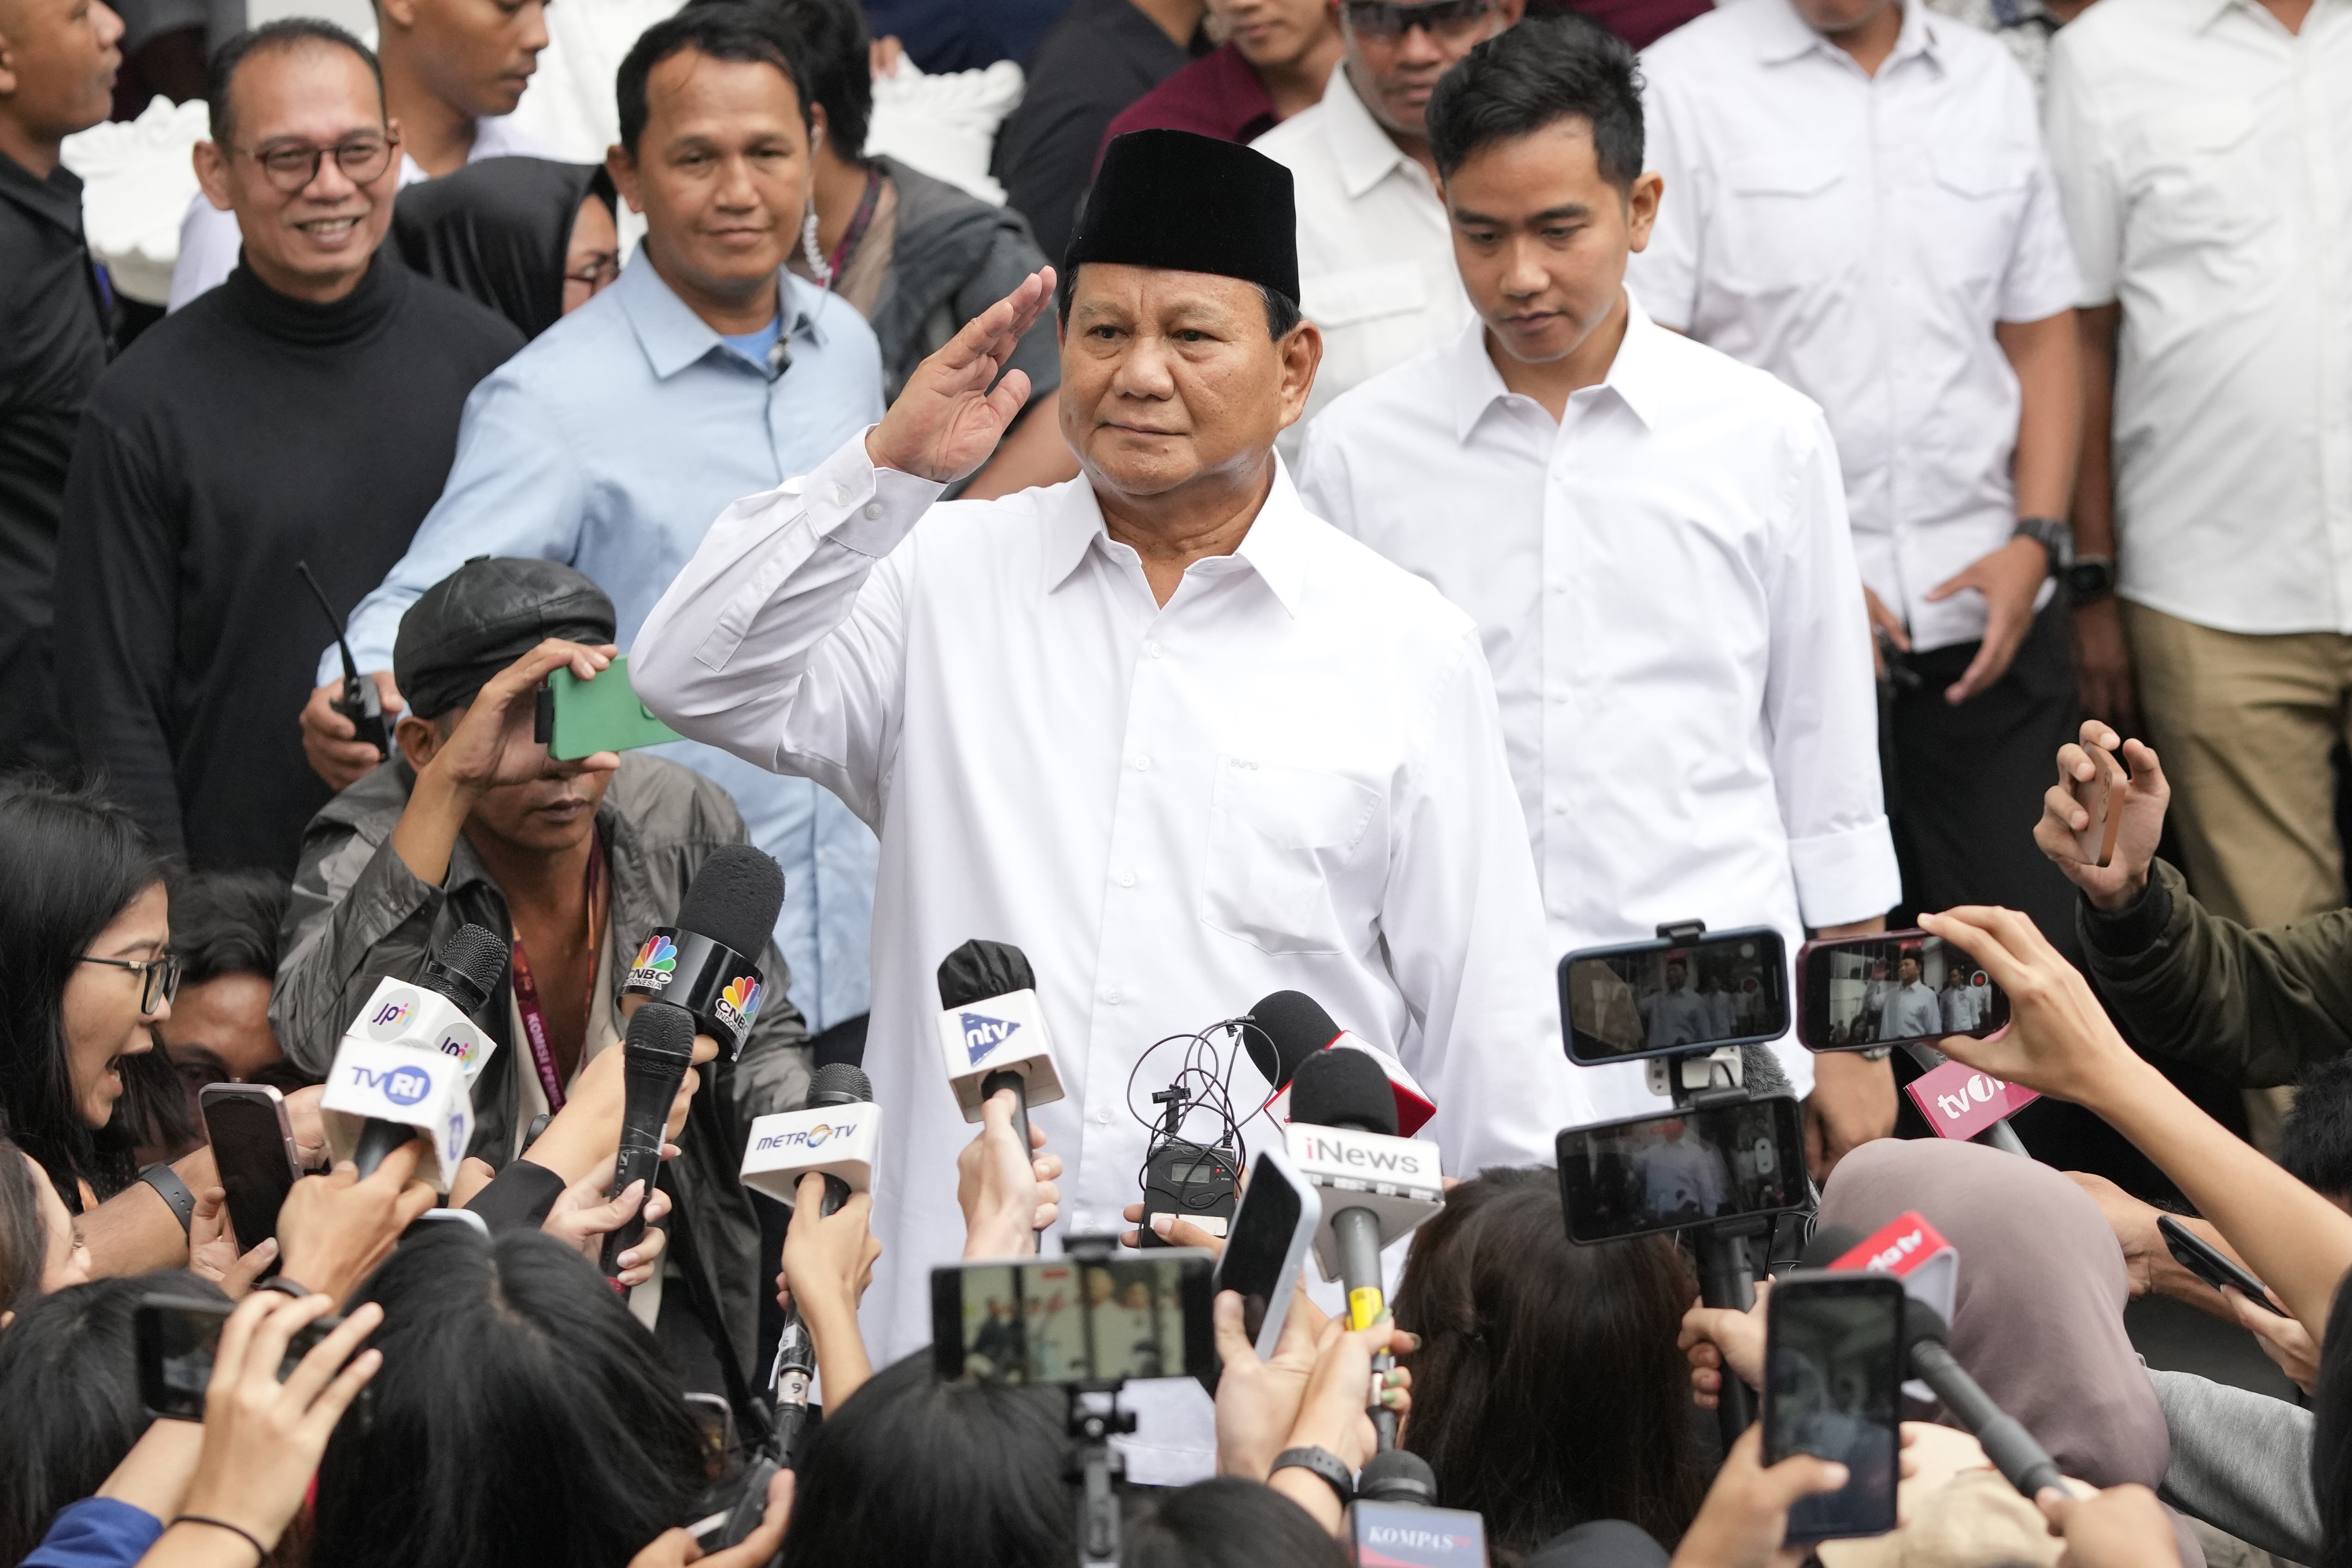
836 1134
1395 1517
406 1066
2006 1442
1287 1027
992 1032
657 1051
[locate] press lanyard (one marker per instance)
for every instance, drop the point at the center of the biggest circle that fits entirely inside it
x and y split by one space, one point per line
852 237
526 992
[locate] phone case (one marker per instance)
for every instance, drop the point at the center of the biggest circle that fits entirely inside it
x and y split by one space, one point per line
2103 798
602 714
2192 1252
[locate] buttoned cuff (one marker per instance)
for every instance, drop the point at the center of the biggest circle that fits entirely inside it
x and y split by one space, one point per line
860 507
1846 876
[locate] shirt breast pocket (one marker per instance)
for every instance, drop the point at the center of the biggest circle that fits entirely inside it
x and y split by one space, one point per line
1978 201
2199 182
1363 293
1785 222
1283 840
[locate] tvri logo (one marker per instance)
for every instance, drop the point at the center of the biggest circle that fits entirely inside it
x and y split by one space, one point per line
1978 1088
814 1137
983 1034
401 1085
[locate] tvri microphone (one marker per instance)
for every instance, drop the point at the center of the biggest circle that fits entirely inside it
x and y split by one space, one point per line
993 1033
406 1066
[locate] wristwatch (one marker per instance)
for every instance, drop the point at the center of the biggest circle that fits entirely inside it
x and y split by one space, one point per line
1323 1462
2091 577
2052 535
172 1190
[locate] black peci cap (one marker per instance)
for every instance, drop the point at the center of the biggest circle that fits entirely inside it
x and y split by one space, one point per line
484 616
1184 202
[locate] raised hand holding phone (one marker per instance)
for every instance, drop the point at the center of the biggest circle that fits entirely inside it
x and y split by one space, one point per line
2100 821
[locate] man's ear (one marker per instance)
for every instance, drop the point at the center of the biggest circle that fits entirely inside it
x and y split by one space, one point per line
1642 200
1301 350
419 740
624 169
8 83
401 14
211 172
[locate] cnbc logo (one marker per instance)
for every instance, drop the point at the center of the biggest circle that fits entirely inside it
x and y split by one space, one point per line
814 1137
655 965
983 1034
739 1004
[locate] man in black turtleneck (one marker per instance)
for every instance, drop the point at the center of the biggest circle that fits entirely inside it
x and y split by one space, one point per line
305 410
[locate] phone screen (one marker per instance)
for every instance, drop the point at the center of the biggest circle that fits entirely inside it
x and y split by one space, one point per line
1058 1320
1253 1260
1892 988
248 1137
1650 999
1662 1173
1832 1387
176 1339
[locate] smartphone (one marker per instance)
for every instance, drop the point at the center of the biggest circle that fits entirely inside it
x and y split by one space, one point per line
1832 1387
2210 1263
1273 1229
2103 797
1889 988
1656 999
175 1338
1682 1168
1064 1321
578 719
253 1148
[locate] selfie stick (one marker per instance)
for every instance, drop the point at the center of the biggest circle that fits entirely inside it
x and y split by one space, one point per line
359 702
1092 1464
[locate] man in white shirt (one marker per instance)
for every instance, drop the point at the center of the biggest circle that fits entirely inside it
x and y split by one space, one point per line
1675 1016
1959 1002
2203 150
1653 538
1912 1012
1858 202
1179 740
450 70
1375 261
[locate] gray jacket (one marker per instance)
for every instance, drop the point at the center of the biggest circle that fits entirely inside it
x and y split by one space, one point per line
358 914
2241 1462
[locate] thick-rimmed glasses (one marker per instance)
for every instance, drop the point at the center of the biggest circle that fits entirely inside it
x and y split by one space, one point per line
159 978
292 165
1391 19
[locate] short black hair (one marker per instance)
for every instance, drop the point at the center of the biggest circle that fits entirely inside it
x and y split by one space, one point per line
1282 312
1545 69
1227 1523
728 30
2316 1139
225 923
289 33
836 45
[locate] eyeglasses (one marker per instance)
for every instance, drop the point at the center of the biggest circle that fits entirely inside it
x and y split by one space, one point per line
1393 19
159 977
597 271
292 165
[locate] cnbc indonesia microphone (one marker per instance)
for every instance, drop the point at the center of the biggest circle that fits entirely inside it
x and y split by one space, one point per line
698 977
992 1032
405 1067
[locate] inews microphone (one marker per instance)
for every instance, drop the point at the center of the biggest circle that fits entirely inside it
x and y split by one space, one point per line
1377 1187
1289 1026
992 1031
406 1066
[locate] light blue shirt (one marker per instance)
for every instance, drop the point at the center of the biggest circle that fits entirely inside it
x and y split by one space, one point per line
612 442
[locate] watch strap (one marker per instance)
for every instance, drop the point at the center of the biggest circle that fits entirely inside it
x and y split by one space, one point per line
1322 1462
284 1286
173 1191
2054 535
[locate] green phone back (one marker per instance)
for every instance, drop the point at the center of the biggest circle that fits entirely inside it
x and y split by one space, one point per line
602 714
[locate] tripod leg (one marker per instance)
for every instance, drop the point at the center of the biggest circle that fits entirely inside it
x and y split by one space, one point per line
1725 1278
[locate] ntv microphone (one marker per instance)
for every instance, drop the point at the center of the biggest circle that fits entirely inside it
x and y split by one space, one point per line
992 1032
1289 1026
698 977
406 1066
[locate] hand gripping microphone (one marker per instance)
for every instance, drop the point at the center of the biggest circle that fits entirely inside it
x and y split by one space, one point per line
1394 1518
406 1066
992 1031
1289 1026
1376 1187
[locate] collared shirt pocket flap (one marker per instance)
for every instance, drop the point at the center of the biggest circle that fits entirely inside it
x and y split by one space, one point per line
1984 169
2214 126
1362 293
1282 841
1780 175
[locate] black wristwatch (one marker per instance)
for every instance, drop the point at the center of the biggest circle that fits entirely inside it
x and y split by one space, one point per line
2091 577
173 1191
2052 535
1322 1462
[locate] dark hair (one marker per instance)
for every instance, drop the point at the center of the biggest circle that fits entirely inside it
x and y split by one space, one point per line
24 1239
521 1416
2331 1436
1226 1524
69 1383
1282 312
1546 68
287 33
837 48
724 31
70 861
2315 1140
1548 1390
985 1461
225 923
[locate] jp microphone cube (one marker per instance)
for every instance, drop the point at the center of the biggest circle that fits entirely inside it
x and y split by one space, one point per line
722 988
823 1140
998 1034
1413 1106
377 1080
399 1013
1396 1179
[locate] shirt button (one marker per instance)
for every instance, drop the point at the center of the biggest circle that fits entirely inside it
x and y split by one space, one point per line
1143 764
840 495
1112 994
1102 1118
1151 650
1126 879
872 508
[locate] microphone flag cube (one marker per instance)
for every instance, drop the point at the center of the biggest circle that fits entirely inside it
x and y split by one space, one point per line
1397 1179
998 1034
1414 1107
1911 1250
822 1140
398 1013
384 1081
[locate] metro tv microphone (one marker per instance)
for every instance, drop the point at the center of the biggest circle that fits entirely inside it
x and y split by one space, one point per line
992 1031
407 1065
698 978
1289 1026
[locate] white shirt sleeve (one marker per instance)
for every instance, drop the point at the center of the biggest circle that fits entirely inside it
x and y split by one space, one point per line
1321 475
2043 278
209 243
1665 273
1820 700
781 642
2084 172
1463 924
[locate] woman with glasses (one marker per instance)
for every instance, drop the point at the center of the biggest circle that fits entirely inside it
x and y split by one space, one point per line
532 239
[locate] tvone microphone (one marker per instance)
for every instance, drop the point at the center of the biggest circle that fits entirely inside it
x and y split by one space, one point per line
404 1066
992 1031
1287 1027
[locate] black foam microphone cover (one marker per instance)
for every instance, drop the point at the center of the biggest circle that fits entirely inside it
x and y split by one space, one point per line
979 970
1343 1089
466 969
1397 1475
1285 1030
1830 1243
839 1084
734 899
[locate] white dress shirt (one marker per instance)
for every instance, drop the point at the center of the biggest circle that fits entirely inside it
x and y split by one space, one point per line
1290 776
2205 156
1665 586
1859 236
1375 248
210 240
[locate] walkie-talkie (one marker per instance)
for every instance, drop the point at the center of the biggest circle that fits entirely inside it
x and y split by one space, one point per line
1192 1181
360 703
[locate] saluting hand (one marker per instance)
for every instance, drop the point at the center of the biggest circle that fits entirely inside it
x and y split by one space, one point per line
947 422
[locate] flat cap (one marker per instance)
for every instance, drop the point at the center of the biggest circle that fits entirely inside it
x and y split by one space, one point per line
484 616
